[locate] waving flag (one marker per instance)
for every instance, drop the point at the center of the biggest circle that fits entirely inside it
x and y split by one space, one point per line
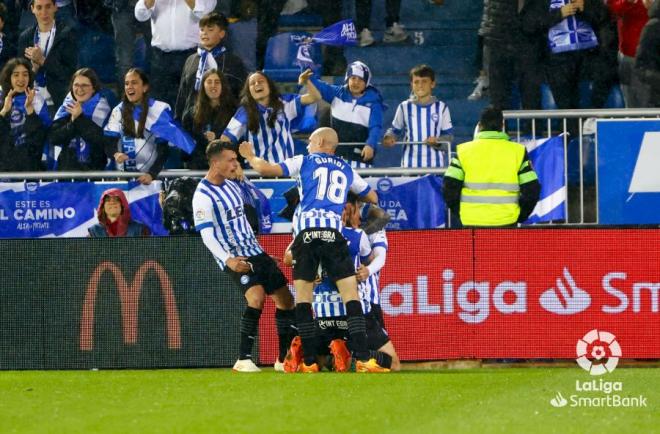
547 156
161 124
339 34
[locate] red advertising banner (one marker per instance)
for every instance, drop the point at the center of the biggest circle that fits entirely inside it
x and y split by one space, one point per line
517 293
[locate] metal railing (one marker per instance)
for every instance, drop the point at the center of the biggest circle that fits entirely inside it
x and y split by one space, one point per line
578 119
178 173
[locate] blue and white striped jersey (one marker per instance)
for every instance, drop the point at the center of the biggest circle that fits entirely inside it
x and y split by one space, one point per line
221 207
416 123
272 144
323 183
372 284
327 302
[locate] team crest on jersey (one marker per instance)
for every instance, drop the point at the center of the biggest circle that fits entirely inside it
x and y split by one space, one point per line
199 215
435 117
16 116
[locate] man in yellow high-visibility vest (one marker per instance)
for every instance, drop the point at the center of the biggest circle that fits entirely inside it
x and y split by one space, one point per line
491 182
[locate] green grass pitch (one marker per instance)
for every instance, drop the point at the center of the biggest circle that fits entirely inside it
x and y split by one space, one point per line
506 400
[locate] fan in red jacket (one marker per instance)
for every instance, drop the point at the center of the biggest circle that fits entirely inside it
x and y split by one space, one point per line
631 17
114 217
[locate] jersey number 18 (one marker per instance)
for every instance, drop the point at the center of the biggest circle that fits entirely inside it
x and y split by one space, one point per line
336 191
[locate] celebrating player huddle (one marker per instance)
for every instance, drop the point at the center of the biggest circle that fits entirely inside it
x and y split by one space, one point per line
320 241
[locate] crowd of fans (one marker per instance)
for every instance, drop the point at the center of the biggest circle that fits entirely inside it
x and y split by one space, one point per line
56 116
565 42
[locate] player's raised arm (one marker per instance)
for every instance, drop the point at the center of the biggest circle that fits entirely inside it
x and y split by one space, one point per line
246 149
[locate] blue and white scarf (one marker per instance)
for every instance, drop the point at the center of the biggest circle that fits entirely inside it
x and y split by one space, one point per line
97 109
571 34
18 115
160 123
207 61
254 197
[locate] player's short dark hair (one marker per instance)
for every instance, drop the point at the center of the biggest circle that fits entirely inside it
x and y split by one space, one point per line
214 19
422 71
491 119
352 198
217 146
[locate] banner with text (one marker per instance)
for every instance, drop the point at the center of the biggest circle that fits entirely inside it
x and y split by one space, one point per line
476 294
67 209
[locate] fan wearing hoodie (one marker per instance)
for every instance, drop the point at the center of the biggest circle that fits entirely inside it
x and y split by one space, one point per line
356 109
114 217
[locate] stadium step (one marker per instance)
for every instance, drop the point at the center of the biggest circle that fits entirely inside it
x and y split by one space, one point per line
443 92
399 58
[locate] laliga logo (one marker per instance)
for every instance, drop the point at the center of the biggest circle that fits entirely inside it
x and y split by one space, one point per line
129 296
599 345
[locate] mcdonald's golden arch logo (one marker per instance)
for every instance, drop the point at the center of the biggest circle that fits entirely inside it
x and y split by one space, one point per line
129 296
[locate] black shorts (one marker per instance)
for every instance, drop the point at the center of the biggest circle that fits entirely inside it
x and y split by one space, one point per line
326 247
378 312
329 329
265 272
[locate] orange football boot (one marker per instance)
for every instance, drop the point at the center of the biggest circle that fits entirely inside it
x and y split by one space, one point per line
341 355
294 356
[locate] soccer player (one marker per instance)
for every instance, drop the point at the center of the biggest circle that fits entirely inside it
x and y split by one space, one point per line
330 313
323 181
219 217
370 274
422 119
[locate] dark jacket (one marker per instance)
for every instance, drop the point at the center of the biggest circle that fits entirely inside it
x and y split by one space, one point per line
500 21
61 62
63 131
120 5
26 158
197 160
648 54
229 64
8 50
538 18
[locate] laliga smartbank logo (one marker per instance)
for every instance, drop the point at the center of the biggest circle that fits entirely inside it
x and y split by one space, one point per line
598 353
604 350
